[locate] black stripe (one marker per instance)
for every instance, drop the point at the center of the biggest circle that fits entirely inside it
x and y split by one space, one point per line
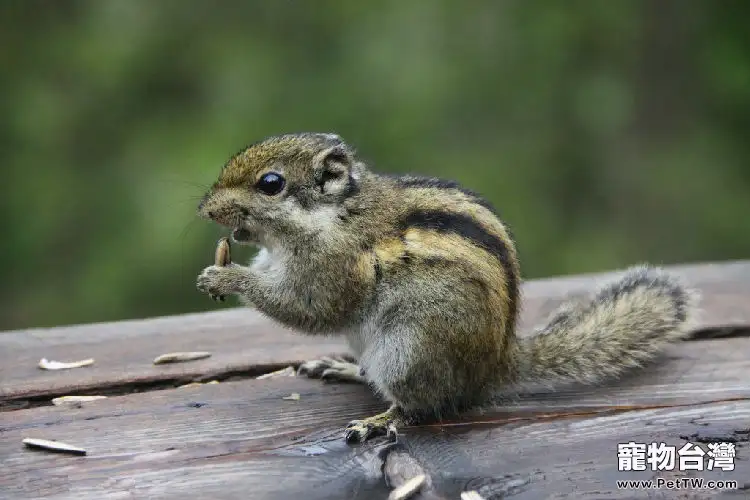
416 181
378 270
470 229
352 187
433 182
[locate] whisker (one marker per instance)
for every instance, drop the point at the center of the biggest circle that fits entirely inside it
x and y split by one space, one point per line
181 203
178 180
181 239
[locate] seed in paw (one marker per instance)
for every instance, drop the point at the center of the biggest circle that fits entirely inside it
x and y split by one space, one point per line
223 256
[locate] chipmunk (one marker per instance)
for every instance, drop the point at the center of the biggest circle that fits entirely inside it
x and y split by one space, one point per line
421 277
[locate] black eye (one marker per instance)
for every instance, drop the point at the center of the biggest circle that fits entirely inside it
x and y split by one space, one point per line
270 183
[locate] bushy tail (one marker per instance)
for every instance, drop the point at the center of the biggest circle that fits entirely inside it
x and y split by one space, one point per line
626 324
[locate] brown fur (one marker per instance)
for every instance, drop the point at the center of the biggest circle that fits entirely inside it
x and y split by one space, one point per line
422 278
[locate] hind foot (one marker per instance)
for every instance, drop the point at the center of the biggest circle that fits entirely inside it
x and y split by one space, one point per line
332 370
385 423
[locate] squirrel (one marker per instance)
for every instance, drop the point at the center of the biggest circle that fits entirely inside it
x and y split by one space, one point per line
422 278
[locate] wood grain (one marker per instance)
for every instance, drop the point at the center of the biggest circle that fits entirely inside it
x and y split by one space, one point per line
240 340
243 440
243 342
724 289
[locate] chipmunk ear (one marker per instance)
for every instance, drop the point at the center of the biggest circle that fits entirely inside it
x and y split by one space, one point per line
332 169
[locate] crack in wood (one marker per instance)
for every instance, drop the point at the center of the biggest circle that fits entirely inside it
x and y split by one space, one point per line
604 411
165 382
140 386
719 332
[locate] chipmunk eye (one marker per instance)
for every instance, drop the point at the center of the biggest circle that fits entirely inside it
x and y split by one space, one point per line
270 183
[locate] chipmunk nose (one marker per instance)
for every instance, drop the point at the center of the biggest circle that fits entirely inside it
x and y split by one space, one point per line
202 208
202 212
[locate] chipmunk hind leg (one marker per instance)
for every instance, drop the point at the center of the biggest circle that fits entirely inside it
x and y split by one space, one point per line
422 385
430 352
391 372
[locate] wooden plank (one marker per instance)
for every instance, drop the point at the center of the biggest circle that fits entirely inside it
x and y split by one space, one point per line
240 340
243 342
724 288
242 439
575 457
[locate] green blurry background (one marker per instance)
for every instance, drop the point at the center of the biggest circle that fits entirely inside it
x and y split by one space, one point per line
606 132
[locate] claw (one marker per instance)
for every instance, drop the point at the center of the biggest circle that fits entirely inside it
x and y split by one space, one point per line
313 368
361 431
358 434
211 283
332 369
382 424
391 431
352 437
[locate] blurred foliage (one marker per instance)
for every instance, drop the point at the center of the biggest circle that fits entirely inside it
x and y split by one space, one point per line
607 133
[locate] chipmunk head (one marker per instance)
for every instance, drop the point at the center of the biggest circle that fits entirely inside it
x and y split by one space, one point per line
289 183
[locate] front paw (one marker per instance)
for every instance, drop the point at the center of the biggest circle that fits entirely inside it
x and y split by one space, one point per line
217 281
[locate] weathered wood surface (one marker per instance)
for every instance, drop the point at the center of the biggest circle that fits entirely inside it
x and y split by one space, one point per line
243 342
240 340
724 288
241 439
